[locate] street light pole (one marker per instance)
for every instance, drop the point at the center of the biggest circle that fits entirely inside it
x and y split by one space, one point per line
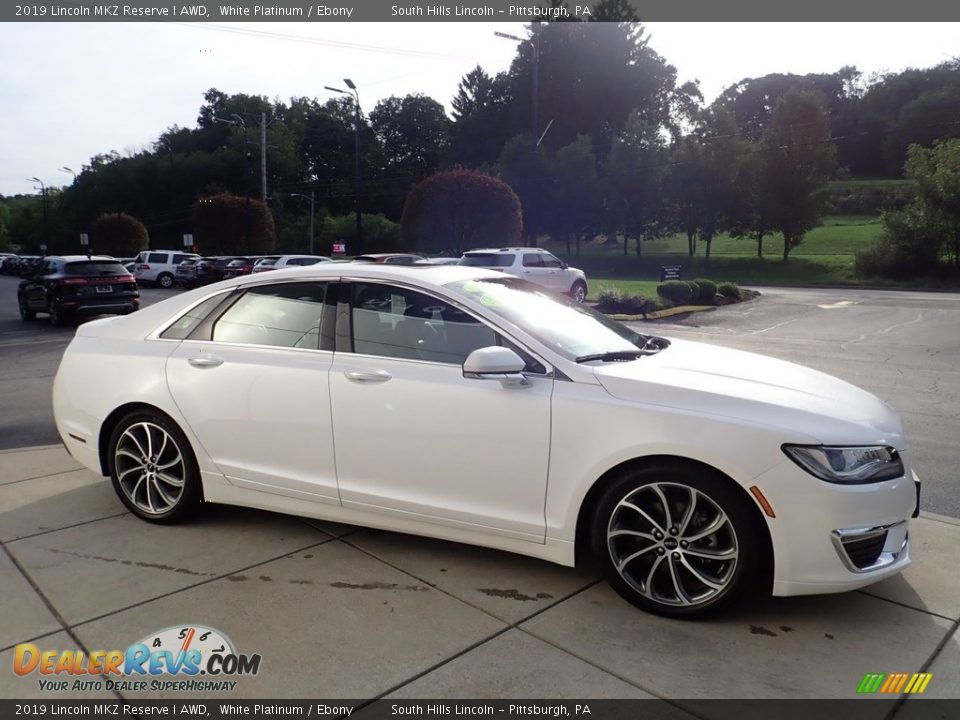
43 201
312 197
356 127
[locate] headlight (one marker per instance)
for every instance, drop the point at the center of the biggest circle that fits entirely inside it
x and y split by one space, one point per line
849 465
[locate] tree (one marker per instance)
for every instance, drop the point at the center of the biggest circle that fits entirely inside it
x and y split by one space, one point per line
749 208
227 224
936 171
481 114
414 132
119 235
798 162
633 182
524 169
575 193
459 209
592 75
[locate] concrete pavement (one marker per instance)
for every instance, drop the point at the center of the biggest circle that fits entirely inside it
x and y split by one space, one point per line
343 612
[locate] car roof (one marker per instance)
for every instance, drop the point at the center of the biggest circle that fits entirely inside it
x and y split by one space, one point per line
507 249
83 258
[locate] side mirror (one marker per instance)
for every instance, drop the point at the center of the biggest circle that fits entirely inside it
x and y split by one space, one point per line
496 363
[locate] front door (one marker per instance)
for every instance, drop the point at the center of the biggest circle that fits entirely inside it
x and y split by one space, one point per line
416 439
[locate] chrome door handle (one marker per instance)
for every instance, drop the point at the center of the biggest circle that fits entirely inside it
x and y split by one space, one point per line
367 376
204 361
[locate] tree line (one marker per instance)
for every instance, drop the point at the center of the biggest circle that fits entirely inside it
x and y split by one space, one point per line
611 144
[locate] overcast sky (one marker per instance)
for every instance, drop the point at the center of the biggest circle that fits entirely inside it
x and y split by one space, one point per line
69 91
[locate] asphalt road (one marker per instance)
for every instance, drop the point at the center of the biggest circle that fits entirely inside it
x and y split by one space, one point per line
902 346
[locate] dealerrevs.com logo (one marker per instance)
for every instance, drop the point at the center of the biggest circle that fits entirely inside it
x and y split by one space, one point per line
193 657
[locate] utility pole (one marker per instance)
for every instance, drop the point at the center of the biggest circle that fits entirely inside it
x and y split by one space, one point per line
46 225
356 128
263 156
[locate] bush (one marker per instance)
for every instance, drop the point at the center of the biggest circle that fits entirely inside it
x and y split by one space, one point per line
458 210
119 234
910 247
706 290
612 300
729 290
676 291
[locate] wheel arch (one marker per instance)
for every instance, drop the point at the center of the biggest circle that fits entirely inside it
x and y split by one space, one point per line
113 419
582 541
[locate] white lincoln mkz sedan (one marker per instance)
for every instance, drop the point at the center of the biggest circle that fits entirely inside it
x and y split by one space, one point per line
463 404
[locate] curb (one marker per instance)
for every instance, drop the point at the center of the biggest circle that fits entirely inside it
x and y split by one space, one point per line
657 315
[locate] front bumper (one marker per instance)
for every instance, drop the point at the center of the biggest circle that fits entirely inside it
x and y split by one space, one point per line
833 538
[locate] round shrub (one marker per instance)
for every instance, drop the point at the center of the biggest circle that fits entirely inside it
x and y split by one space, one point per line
676 291
729 290
706 289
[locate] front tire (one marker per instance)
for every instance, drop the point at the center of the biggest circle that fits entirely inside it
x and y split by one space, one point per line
579 291
165 280
26 314
676 540
153 469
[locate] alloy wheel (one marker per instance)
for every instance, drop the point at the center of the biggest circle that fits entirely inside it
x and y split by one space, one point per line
150 468
673 544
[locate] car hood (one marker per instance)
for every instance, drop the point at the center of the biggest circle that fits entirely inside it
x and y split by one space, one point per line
806 404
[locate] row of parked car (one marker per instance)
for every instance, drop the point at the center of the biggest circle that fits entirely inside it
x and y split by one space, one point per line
81 285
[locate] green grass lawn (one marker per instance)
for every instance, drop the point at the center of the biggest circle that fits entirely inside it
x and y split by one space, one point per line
826 256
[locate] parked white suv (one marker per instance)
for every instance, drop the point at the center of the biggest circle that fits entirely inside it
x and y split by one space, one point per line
533 264
159 266
278 263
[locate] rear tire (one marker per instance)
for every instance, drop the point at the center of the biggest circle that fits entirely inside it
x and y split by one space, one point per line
676 539
165 280
58 318
153 469
579 291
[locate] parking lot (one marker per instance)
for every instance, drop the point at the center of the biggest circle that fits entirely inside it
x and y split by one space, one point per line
344 612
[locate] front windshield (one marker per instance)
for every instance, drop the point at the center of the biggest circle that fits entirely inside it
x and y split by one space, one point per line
571 330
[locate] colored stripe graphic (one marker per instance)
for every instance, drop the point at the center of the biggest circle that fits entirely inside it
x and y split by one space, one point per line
919 683
871 683
894 683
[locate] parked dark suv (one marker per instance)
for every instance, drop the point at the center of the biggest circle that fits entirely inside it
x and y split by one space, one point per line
210 269
78 285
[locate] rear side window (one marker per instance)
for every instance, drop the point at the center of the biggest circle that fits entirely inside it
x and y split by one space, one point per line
286 315
193 317
268 261
93 268
160 258
488 259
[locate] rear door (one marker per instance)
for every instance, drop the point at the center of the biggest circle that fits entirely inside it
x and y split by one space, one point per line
253 383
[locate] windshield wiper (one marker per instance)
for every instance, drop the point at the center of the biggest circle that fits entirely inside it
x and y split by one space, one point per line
616 356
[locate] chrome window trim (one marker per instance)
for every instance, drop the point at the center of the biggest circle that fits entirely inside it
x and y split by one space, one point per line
549 366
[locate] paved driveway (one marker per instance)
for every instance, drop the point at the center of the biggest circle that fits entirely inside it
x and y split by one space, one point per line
343 612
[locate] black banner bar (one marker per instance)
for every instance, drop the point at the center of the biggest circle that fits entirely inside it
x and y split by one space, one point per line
855 709
854 11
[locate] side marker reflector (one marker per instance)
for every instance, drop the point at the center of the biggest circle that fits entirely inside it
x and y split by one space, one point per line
755 491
